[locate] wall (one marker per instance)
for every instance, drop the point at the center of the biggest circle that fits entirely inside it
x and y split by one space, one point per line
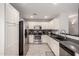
2 29
73 25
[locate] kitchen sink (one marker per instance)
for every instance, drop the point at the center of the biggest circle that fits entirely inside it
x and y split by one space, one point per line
60 38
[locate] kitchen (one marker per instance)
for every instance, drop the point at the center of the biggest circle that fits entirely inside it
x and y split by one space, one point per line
40 29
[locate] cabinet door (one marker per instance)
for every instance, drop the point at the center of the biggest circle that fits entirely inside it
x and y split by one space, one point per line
54 46
12 15
11 39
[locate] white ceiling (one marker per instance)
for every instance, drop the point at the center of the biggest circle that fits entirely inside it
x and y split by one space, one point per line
50 10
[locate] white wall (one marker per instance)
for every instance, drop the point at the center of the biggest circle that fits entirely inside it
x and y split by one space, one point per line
2 29
73 25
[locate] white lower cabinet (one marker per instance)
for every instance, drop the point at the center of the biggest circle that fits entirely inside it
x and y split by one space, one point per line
53 44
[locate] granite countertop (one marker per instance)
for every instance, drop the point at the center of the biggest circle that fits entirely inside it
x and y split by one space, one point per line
72 46
72 37
69 44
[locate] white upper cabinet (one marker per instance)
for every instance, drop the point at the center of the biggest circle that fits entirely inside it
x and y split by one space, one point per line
64 22
60 23
11 14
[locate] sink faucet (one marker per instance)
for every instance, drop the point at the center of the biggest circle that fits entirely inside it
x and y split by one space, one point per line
63 31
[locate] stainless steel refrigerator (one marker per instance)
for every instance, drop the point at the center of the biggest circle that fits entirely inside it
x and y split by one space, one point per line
23 39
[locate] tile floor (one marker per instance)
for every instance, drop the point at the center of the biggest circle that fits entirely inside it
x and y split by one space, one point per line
39 50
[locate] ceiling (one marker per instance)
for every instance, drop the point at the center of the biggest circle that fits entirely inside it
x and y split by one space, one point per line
44 11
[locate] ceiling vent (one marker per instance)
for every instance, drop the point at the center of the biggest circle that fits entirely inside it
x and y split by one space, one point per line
34 13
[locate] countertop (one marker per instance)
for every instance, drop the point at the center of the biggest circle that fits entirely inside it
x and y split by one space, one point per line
69 44
72 46
72 37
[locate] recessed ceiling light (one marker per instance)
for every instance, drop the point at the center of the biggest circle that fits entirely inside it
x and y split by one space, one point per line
55 3
31 16
45 16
